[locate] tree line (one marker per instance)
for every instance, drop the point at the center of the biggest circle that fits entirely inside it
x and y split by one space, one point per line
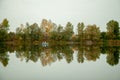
49 31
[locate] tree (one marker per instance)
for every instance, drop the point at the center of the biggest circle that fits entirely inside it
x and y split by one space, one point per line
29 32
113 29
11 36
47 27
60 29
4 27
92 32
34 31
68 32
57 33
80 29
20 32
5 24
103 35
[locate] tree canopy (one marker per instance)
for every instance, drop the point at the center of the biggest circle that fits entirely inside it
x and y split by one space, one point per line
48 31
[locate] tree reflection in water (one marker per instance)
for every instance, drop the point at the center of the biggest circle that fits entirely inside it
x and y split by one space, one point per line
4 57
48 55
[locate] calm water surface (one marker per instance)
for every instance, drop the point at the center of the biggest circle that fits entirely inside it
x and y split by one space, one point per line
59 63
19 68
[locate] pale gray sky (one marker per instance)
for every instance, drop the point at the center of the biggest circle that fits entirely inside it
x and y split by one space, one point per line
97 12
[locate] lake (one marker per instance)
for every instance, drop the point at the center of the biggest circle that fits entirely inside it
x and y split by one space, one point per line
21 60
59 63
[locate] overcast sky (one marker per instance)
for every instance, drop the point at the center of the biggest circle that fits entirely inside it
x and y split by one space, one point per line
97 12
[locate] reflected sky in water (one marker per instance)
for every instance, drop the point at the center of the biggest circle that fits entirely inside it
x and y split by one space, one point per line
18 69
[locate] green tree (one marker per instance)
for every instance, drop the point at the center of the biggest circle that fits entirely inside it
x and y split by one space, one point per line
103 35
5 24
60 29
20 32
113 29
34 31
11 36
4 27
80 29
68 32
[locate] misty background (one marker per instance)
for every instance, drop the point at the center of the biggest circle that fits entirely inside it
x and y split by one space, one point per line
97 12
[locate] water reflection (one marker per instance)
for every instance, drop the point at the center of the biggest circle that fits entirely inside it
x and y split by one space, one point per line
4 57
48 55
